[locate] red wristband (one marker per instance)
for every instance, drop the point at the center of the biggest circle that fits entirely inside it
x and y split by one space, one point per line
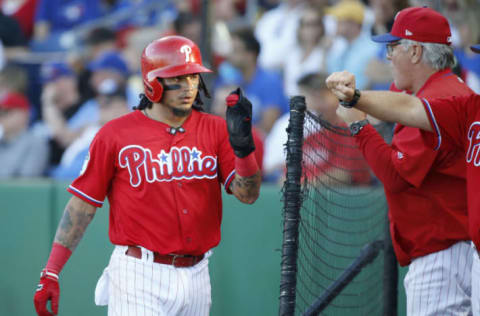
247 166
58 257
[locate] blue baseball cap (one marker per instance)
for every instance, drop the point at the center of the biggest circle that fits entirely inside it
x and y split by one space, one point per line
51 71
112 61
475 48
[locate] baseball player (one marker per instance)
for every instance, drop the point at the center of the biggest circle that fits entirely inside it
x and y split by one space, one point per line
161 168
455 121
425 188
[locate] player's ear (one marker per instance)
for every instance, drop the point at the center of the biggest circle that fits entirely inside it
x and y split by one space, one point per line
416 52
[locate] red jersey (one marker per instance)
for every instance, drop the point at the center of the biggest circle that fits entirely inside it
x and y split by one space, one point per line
429 214
456 121
163 189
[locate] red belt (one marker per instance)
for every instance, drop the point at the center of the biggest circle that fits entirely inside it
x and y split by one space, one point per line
171 259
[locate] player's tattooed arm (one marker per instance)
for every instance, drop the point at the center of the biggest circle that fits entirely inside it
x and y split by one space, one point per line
246 189
76 217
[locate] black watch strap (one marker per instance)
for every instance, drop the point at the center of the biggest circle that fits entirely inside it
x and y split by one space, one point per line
357 126
353 101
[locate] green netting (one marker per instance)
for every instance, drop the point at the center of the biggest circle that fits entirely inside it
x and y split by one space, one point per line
343 209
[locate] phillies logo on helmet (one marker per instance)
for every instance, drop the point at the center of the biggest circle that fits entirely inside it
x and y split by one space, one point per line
187 50
180 163
474 145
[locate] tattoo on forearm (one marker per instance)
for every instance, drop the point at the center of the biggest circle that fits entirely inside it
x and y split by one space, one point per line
72 226
246 188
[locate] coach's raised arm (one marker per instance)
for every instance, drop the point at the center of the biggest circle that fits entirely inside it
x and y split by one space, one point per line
388 106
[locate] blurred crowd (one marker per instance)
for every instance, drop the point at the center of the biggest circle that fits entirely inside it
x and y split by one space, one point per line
69 66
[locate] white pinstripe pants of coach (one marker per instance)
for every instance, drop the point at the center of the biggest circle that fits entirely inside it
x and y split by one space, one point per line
440 283
141 287
476 283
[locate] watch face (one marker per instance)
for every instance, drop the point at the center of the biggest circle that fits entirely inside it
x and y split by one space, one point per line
356 127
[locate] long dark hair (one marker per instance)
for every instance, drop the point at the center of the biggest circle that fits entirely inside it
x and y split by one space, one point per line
145 103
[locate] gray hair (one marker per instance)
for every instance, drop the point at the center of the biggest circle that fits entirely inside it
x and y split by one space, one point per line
438 56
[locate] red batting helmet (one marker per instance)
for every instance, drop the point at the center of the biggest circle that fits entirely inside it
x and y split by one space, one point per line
169 56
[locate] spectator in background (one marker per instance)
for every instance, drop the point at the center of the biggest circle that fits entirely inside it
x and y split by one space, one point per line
469 32
60 107
378 69
112 104
109 71
276 30
320 101
14 78
141 14
56 16
227 15
23 153
354 49
453 10
188 25
329 22
98 41
12 38
23 11
308 54
384 12
264 88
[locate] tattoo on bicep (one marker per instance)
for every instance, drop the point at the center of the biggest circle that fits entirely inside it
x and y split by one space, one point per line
72 226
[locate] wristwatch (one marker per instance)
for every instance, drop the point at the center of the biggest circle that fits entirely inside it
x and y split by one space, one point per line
357 126
353 101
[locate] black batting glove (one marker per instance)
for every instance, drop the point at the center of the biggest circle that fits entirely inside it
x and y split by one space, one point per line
239 123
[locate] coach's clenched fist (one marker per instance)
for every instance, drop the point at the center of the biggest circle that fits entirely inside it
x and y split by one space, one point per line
342 84
47 289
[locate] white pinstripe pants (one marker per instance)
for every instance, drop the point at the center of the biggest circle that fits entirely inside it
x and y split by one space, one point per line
440 283
141 287
476 283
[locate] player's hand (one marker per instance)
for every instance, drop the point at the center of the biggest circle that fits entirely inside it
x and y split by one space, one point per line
342 84
47 289
239 123
350 115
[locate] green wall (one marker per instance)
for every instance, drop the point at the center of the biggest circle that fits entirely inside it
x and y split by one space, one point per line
244 269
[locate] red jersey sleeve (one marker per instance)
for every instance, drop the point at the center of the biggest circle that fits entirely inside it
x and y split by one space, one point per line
226 157
448 118
378 155
411 156
94 181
